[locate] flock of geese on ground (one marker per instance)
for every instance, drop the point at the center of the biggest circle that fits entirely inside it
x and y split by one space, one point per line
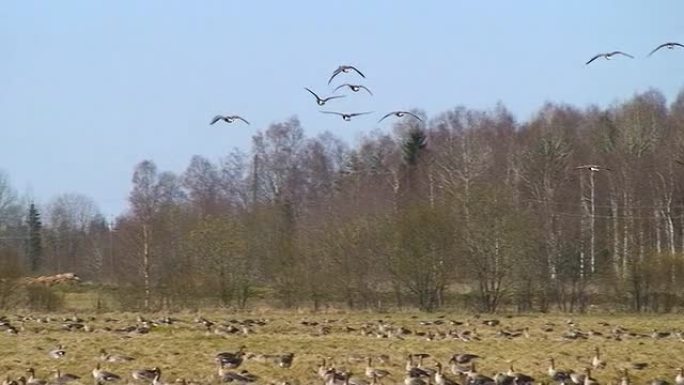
460 368
344 69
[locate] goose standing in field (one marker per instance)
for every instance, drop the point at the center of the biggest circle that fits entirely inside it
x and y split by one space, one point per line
146 375
440 378
557 375
576 378
345 69
57 353
32 380
520 378
375 372
609 55
63 378
475 378
231 360
285 360
669 45
679 379
8 381
321 101
114 358
587 377
624 378
102 376
597 362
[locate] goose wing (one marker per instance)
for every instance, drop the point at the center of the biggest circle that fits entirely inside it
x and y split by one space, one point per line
216 119
622 53
342 86
387 116
240 118
360 113
313 93
356 70
332 113
366 88
333 97
335 73
595 57
412 114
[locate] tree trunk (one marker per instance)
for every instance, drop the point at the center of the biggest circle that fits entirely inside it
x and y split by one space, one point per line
146 264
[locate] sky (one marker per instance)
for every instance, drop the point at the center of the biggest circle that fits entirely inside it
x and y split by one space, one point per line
90 88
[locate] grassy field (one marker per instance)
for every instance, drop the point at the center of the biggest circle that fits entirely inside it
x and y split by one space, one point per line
186 349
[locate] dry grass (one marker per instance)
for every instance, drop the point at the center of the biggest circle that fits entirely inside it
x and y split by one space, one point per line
187 350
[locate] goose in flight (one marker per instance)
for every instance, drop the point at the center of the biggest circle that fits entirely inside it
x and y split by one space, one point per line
321 101
227 119
400 114
668 45
346 117
354 87
592 167
608 55
345 69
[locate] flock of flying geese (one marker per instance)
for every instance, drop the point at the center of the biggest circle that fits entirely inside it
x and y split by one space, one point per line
460 368
345 69
321 101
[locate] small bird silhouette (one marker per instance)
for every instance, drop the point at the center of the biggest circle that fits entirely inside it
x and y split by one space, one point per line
400 114
592 167
354 87
668 45
347 116
345 69
322 101
608 55
227 119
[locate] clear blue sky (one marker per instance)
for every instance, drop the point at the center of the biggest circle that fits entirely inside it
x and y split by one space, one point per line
90 88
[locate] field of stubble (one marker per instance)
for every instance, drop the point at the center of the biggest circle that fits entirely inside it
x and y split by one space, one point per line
186 348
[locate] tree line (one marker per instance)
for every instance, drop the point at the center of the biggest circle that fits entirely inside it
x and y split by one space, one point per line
472 209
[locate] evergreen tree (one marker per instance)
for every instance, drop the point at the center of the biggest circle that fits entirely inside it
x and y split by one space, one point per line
34 243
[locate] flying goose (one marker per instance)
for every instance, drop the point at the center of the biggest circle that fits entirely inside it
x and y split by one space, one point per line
592 167
608 55
321 101
145 374
345 69
347 116
668 45
354 87
115 358
227 119
400 114
101 376
57 353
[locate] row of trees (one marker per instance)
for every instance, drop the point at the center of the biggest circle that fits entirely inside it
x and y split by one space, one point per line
472 209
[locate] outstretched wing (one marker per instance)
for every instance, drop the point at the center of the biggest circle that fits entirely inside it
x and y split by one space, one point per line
335 73
412 114
332 112
595 57
313 93
357 71
333 97
622 53
360 113
366 88
240 118
387 116
342 86
216 119
658 47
